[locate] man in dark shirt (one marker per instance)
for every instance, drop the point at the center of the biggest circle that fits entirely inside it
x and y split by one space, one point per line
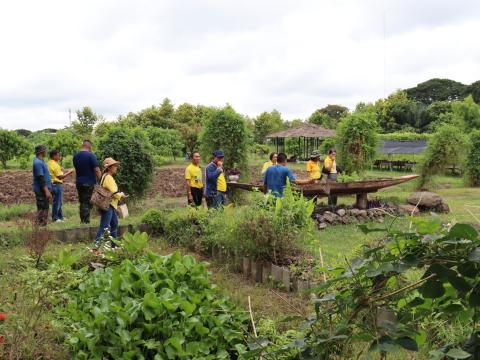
87 172
42 185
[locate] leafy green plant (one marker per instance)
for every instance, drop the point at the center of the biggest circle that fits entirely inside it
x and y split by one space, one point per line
357 141
12 145
473 159
344 178
155 219
389 298
132 149
445 148
226 130
156 307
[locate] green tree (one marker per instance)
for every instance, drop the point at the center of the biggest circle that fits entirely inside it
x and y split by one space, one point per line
226 130
322 119
445 148
266 123
133 149
334 111
432 113
357 141
12 146
65 141
473 159
474 90
189 121
190 134
185 114
397 112
469 111
166 142
436 90
86 120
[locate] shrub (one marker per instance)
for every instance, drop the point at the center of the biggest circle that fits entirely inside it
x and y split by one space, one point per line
357 141
225 129
132 148
155 219
327 144
159 307
166 142
65 141
445 148
261 150
185 227
473 159
12 145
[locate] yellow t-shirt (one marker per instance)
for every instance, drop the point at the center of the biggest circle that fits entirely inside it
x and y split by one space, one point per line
193 174
221 183
55 171
108 182
331 162
313 169
266 165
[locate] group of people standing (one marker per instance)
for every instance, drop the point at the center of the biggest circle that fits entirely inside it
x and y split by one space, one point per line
275 172
215 188
48 186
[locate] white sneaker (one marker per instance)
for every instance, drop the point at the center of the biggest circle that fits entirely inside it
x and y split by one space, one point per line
58 220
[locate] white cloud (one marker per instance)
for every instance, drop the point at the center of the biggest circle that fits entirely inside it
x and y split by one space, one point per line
295 56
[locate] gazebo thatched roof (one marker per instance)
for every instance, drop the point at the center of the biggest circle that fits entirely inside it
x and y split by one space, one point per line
305 130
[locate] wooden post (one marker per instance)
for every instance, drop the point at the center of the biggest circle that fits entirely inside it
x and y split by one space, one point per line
362 200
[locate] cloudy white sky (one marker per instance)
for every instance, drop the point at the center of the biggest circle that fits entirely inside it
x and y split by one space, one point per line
294 56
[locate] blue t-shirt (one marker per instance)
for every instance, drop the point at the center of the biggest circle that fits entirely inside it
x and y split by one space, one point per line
276 179
40 169
85 163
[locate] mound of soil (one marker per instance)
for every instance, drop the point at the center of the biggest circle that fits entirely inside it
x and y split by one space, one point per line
16 186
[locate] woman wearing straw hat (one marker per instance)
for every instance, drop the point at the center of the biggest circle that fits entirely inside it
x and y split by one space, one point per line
109 219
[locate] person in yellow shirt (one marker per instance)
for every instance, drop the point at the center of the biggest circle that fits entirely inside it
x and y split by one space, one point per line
193 177
313 166
57 174
330 169
271 162
109 219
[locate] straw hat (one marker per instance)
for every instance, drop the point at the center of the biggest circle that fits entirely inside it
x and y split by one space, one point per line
109 162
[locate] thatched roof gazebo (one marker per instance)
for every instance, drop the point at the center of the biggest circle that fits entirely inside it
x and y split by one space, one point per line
312 135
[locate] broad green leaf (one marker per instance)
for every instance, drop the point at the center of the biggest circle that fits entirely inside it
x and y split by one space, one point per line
432 289
458 354
407 343
462 231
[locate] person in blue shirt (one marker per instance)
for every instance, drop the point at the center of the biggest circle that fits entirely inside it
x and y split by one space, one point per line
42 185
87 172
276 177
215 183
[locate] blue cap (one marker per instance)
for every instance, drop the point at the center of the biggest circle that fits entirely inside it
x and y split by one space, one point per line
218 154
39 149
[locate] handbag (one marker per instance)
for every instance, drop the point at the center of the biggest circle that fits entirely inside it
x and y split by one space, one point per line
122 211
101 197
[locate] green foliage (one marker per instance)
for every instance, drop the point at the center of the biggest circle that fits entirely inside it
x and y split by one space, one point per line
432 113
327 143
469 112
397 112
293 147
166 142
357 141
392 296
261 150
13 211
445 148
344 178
225 129
85 123
132 148
65 141
436 90
155 219
185 227
12 146
266 123
156 307
472 164
474 90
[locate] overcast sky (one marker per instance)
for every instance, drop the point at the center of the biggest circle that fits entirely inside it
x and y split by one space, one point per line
294 56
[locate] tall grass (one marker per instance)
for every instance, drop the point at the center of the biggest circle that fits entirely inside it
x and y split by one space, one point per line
13 211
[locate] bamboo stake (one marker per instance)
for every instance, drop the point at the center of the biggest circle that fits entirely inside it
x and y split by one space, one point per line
251 316
321 262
